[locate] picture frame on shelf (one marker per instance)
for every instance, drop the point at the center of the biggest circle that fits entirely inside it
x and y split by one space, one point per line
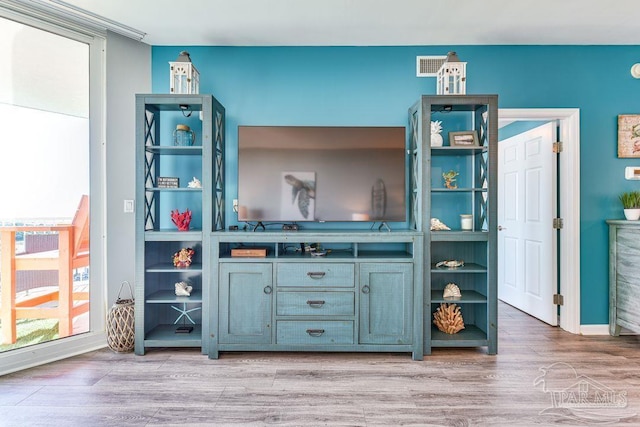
629 135
466 138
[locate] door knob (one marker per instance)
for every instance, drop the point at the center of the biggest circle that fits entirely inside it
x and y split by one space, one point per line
500 228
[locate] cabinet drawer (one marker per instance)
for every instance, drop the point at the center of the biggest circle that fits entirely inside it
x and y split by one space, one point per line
316 274
314 332
315 303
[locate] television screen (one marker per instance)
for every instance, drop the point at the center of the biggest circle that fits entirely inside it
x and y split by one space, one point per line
304 173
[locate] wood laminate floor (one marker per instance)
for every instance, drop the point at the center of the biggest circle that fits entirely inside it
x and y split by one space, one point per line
541 376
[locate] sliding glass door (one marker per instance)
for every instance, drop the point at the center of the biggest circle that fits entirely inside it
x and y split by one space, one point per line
44 185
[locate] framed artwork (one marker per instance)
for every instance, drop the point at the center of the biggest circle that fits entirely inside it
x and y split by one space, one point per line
467 138
629 135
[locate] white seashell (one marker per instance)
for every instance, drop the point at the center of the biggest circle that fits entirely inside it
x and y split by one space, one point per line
183 289
454 263
451 291
437 225
194 183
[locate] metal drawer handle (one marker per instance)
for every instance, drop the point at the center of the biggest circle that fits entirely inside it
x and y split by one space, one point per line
315 332
365 289
268 289
315 304
316 274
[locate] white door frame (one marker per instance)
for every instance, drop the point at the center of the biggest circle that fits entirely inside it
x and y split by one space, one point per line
569 181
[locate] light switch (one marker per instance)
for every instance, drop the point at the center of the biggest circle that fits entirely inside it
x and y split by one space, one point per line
129 206
632 172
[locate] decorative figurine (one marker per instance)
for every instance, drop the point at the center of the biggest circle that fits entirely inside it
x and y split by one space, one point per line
451 291
183 289
436 138
182 258
194 183
450 179
448 318
181 220
437 225
454 263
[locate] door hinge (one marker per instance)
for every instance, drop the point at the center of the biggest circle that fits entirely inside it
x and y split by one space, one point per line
558 223
558 299
557 147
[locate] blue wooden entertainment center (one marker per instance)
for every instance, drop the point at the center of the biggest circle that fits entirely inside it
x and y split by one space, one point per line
371 290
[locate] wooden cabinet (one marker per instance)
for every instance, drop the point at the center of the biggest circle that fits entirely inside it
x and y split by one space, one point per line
624 276
386 299
246 292
474 165
163 173
362 296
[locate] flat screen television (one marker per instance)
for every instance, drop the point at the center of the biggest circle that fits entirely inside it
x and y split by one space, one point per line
320 173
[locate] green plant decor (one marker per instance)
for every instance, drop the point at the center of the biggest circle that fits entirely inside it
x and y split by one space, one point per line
630 199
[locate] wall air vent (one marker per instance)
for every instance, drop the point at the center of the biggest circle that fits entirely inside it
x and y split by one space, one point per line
428 66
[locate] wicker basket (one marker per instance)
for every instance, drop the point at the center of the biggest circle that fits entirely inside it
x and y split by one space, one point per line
120 324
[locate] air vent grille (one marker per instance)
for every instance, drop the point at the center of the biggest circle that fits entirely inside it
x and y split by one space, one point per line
428 66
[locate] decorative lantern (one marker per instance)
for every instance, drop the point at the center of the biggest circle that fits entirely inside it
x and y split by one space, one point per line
452 76
185 78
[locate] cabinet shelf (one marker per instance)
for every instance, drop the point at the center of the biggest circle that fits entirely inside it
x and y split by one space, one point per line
470 336
172 235
458 190
166 336
174 151
170 190
169 268
471 297
167 297
452 151
466 268
459 236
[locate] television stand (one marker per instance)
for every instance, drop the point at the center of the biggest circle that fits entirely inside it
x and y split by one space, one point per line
383 224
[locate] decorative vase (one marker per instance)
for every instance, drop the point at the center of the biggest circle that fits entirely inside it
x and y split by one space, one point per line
632 214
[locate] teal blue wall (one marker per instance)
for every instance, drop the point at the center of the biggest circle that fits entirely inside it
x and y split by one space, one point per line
376 85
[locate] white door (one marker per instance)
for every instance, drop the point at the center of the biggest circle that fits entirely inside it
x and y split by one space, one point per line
527 249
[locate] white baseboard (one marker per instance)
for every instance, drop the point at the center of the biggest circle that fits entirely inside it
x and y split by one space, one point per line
601 330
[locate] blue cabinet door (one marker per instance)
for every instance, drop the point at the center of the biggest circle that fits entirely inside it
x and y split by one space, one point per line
246 292
386 298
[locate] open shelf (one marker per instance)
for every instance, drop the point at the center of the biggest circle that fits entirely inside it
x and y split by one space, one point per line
471 297
167 297
166 336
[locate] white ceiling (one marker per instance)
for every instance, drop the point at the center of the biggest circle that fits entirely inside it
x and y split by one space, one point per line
374 22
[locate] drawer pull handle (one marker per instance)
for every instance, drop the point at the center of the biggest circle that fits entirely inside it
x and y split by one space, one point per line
316 303
315 332
365 289
268 290
316 274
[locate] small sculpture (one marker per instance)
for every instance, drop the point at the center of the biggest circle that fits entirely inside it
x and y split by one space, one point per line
450 179
454 263
448 318
182 258
436 138
194 183
451 291
181 220
183 289
437 225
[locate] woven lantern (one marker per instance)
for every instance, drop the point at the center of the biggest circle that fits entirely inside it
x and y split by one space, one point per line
452 76
185 78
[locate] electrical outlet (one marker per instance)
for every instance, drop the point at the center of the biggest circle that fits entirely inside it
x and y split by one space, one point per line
129 206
